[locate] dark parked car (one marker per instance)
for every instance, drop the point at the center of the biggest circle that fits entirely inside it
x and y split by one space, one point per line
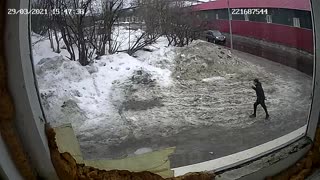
215 36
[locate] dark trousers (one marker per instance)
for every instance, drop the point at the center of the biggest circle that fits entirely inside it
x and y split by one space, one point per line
260 101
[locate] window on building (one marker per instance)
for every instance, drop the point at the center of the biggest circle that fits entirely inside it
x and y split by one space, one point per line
238 17
304 19
246 17
269 18
223 13
296 22
217 16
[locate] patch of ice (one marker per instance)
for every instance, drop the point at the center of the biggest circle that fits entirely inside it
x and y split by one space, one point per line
142 151
216 78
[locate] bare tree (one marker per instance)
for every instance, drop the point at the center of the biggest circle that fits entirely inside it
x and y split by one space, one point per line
75 28
39 23
54 24
103 39
152 13
172 18
112 11
90 33
63 23
45 25
141 41
87 34
180 25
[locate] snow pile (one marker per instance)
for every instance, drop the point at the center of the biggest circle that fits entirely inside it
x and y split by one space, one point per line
87 96
161 56
60 69
202 60
60 82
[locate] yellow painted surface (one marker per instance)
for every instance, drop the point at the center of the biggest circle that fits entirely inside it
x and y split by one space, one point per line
156 162
68 142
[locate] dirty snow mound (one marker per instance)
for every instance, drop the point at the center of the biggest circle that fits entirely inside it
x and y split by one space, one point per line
202 60
139 92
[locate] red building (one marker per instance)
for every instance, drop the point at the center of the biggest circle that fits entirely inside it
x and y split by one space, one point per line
286 23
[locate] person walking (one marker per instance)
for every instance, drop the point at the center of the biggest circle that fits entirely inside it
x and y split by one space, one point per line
260 98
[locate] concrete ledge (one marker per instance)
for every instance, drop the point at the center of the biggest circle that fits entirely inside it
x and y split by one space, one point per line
244 156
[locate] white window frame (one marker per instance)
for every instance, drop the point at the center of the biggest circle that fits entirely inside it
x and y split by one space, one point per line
246 17
314 110
269 18
296 22
30 118
206 16
217 16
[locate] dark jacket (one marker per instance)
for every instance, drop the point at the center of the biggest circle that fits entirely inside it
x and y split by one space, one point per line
259 92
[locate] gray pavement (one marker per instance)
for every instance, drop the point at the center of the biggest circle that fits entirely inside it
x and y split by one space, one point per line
207 141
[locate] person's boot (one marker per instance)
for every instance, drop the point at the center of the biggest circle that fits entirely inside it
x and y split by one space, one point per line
252 116
267 116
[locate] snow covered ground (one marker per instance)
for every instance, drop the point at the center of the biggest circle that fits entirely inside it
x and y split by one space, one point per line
121 99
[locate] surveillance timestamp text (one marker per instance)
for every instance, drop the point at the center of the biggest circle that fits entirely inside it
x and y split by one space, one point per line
46 11
249 11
